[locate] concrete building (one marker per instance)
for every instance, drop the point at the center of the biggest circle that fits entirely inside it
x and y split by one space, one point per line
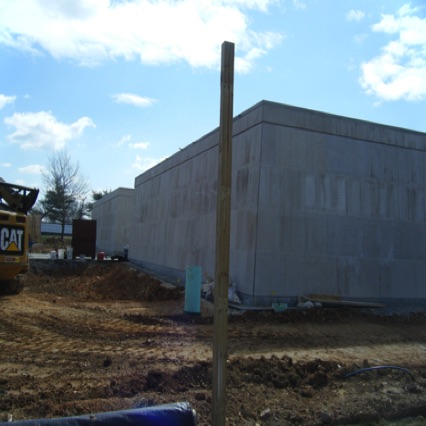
320 204
114 220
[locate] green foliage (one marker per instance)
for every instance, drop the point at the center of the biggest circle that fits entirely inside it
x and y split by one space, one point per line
96 196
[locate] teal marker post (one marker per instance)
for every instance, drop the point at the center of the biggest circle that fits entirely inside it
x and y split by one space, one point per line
192 290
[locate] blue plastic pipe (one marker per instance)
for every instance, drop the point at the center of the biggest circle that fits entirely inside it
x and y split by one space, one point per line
178 414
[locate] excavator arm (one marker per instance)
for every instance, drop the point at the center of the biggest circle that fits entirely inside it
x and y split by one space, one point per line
17 198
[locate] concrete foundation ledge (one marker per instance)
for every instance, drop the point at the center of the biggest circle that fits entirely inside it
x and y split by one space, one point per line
177 277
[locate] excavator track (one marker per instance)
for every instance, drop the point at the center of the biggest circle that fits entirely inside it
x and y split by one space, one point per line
12 287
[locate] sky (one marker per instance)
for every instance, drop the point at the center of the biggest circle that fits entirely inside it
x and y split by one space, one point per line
123 84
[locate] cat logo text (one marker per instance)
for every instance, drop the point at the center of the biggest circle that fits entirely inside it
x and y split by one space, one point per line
11 240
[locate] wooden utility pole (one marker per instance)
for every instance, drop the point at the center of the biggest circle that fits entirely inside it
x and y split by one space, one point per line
223 231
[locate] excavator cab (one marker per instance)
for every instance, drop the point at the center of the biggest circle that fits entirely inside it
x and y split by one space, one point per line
15 202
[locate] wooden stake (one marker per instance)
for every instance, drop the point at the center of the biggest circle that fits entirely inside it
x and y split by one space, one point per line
223 221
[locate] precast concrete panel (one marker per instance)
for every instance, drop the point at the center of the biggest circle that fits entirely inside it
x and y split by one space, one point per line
346 215
178 228
320 204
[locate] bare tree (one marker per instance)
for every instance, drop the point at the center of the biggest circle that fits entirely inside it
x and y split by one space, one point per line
66 190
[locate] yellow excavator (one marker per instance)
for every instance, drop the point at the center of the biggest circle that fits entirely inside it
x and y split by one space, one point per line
15 202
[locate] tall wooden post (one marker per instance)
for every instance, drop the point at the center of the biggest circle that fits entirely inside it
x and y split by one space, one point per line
223 231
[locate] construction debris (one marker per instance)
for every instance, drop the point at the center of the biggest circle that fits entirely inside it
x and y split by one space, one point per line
207 291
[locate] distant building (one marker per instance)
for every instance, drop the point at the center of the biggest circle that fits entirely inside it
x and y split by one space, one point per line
114 217
320 204
55 229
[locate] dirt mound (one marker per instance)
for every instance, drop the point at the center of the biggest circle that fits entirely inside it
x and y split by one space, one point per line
123 283
276 372
99 281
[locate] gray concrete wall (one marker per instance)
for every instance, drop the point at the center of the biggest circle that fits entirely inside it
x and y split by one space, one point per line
175 209
342 208
114 220
320 204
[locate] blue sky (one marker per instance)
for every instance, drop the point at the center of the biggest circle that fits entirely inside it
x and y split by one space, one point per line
121 85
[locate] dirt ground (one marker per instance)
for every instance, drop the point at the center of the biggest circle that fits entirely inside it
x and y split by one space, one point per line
86 337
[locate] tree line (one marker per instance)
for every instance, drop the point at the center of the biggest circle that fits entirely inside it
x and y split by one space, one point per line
66 194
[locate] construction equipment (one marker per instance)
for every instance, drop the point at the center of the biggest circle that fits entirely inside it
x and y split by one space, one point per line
15 202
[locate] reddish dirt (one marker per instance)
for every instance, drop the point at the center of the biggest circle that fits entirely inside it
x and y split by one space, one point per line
86 337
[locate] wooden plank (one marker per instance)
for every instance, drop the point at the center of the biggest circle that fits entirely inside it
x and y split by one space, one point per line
331 301
223 220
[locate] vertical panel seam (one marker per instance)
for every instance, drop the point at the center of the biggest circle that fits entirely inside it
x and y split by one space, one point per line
257 210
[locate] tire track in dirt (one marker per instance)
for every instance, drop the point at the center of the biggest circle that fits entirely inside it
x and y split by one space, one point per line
90 343
84 329
52 329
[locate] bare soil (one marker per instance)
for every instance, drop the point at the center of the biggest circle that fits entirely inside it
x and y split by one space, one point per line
86 337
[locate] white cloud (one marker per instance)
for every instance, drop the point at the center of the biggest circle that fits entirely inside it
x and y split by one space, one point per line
355 15
33 169
298 4
399 71
4 100
135 145
139 145
142 164
5 165
123 140
153 31
41 130
132 99
360 38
